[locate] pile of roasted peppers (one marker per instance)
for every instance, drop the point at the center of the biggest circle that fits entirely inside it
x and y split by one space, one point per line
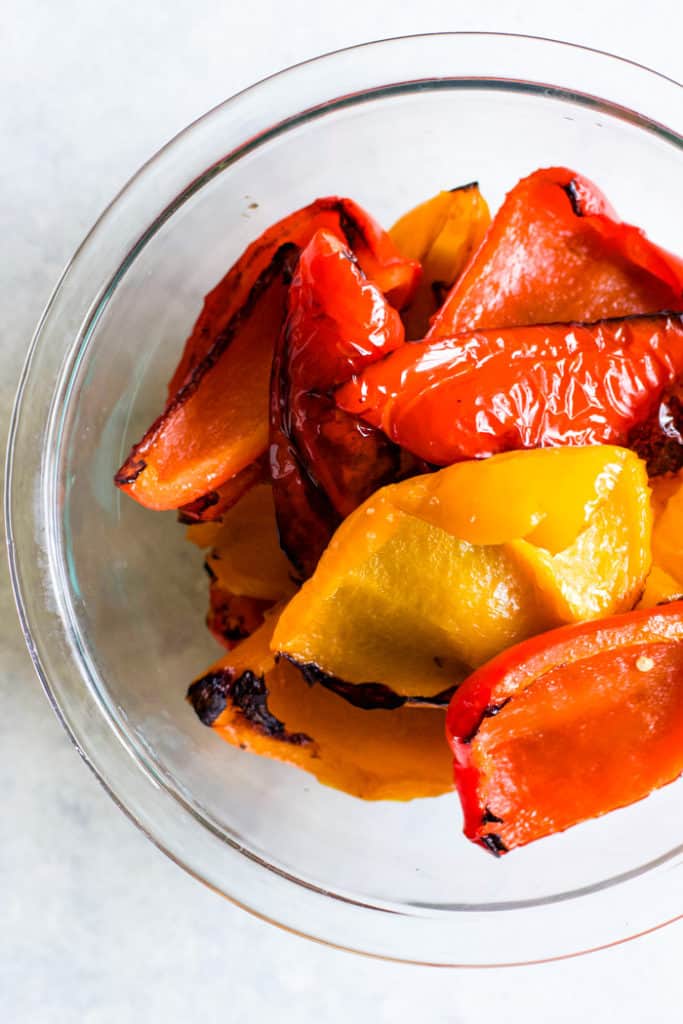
439 476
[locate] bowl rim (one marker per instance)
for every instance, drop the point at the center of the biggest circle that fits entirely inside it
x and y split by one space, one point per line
30 628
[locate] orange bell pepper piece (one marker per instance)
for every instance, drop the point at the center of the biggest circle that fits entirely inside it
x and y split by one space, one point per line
569 725
269 709
218 422
556 252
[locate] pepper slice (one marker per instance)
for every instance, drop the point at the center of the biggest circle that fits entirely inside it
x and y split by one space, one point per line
522 387
218 422
396 275
569 725
556 252
325 462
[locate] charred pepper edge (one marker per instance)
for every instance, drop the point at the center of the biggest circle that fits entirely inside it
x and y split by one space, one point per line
572 194
248 693
193 512
281 437
465 188
493 843
490 711
134 469
368 696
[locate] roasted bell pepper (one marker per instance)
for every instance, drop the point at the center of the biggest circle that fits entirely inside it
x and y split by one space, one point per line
325 462
441 234
556 252
213 505
379 258
522 387
269 709
218 422
569 725
433 576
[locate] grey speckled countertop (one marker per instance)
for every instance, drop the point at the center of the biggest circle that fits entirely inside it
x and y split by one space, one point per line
96 926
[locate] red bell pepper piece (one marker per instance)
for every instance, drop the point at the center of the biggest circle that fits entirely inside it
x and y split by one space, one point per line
556 252
380 259
521 387
325 462
569 725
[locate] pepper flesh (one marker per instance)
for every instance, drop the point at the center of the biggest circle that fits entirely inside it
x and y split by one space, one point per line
521 387
395 275
432 576
568 726
441 234
556 252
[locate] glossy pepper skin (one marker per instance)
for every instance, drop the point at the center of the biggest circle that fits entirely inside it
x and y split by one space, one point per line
557 252
395 275
325 462
569 725
521 387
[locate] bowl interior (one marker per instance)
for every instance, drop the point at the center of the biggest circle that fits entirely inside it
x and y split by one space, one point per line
137 591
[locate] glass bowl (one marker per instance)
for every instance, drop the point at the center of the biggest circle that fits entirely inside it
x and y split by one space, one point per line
112 599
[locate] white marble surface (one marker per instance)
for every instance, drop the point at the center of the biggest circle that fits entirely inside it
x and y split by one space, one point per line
96 926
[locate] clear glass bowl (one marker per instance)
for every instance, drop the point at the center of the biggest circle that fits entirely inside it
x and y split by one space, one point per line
112 599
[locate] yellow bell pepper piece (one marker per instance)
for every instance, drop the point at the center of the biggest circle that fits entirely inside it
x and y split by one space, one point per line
441 233
246 558
433 576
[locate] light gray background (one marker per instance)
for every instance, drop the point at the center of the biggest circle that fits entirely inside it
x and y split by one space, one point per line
96 926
